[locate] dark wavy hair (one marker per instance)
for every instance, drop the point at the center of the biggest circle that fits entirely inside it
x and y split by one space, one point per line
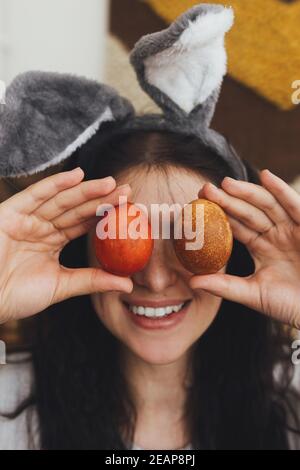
234 402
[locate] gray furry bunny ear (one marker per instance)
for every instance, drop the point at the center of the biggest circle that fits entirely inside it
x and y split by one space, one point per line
47 116
182 67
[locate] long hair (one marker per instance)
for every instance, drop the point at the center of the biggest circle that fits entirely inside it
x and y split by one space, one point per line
235 400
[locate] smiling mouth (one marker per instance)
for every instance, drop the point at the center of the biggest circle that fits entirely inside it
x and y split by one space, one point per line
158 313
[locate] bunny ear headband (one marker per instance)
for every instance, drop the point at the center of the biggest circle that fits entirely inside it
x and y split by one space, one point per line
47 116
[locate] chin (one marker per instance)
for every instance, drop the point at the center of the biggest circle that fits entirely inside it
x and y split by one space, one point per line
157 352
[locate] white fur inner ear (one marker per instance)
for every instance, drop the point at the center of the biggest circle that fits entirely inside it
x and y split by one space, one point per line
190 70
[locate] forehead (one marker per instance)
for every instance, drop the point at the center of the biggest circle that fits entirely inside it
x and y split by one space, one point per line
162 185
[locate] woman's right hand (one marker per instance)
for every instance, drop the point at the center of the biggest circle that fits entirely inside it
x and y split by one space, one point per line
35 225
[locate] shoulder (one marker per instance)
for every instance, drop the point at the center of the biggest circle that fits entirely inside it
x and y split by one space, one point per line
294 439
16 383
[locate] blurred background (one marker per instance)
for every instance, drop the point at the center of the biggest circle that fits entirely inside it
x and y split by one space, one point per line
94 38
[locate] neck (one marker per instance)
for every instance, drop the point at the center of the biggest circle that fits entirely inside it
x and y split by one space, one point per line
159 396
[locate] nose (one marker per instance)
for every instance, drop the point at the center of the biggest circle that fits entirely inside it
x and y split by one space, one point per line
159 274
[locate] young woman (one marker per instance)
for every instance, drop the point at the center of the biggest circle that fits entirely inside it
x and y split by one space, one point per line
216 375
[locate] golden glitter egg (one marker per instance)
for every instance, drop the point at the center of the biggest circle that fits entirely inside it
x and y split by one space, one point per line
211 226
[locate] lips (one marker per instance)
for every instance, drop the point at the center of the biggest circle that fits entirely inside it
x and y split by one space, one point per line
156 323
152 312
154 303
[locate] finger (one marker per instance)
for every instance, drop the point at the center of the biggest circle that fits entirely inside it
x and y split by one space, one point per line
89 209
70 198
28 200
258 197
233 288
81 229
252 217
256 244
285 194
242 233
85 281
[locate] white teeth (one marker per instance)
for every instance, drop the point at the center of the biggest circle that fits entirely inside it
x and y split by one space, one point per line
151 312
160 312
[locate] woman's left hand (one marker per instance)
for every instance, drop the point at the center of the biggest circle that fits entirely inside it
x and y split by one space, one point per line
266 219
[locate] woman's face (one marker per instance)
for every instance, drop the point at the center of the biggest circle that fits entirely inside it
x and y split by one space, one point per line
163 282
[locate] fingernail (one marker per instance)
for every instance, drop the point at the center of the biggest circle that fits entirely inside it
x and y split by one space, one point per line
78 169
129 289
123 186
197 284
108 178
228 178
267 171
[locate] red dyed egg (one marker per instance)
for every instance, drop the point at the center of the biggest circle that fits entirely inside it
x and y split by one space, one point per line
128 245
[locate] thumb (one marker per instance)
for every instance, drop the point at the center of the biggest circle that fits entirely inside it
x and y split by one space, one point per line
233 288
85 281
